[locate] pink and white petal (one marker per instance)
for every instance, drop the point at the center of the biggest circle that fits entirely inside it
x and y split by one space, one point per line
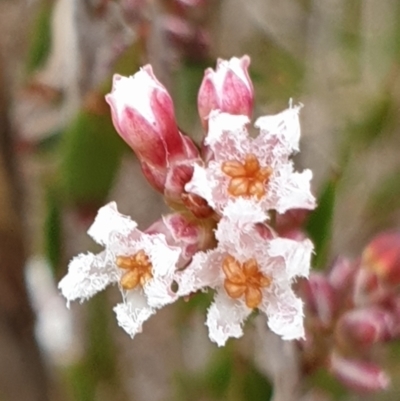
284 311
290 190
285 126
296 254
225 318
132 313
108 221
87 275
204 271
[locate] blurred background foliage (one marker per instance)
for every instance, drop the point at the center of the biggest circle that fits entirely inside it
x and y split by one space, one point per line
339 58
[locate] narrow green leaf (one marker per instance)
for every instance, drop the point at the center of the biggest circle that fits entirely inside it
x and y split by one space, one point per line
53 232
255 386
41 38
319 224
97 372
325 381
91 152
219 374
187 81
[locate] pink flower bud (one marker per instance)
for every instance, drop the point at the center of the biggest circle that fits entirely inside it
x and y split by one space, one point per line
190 3
364 327
382 256
181 231
358 375
143 114
197 205
179 174
228 89
367 288
342 274
320 298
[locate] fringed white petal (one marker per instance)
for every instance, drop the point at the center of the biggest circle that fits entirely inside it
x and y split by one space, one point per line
108 221
87 275
204 271
285 313
297 255
225 318
285 126
291 190
133 313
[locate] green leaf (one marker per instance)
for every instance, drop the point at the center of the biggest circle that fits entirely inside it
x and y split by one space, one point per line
53 232
220 371
384 202
91 152
255 386
325 381
319 224
41 38
187 81
97 371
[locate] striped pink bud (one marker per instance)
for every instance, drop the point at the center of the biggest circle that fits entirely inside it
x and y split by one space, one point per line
143 115
365 327
319 298
382 257
228 89
358 375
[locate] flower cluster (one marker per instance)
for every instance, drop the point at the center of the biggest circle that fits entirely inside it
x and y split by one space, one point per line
353 310
226 198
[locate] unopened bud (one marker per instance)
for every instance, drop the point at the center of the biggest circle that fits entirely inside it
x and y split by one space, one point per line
358 375
367 288
228 89
180 172
382 256
197 205
341 275
143 114
364 327
320 298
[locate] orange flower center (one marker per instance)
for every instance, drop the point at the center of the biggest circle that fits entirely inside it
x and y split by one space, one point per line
138 270
244 279
247 178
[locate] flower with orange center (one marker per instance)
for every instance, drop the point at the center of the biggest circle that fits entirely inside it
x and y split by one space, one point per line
138 270
144 269
258 169
249 270
247 178
244 279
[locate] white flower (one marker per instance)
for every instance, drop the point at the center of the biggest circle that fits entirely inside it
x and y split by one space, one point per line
143 266
249 271
258 169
